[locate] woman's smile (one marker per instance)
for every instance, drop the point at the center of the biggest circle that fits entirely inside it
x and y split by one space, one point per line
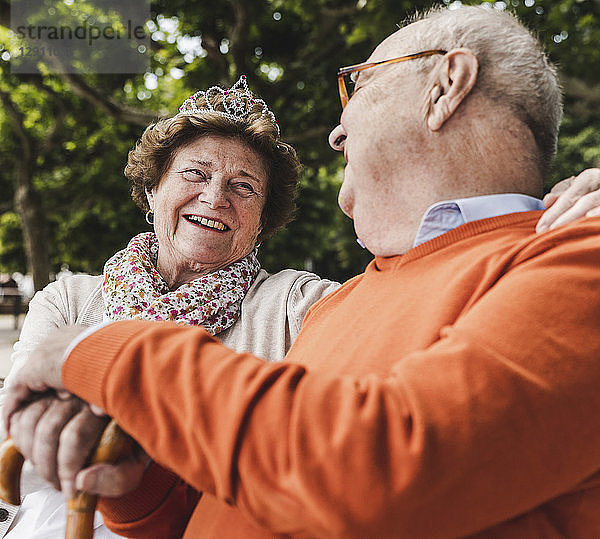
204 222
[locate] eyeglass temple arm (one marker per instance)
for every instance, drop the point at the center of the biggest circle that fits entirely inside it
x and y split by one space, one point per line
360 67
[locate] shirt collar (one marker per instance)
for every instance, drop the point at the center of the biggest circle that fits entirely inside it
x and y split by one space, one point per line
446 215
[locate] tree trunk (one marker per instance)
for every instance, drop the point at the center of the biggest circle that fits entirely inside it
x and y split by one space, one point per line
33 222
27 201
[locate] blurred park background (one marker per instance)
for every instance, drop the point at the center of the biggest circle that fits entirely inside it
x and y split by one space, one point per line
64 201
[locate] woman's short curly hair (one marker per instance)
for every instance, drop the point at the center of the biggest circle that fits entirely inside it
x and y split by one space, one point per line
153 154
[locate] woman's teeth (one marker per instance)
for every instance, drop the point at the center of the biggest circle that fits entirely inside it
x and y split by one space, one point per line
206 222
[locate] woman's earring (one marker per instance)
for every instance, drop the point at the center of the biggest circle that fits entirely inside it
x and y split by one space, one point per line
148 217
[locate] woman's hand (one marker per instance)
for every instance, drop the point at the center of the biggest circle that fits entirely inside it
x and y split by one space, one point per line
57 431
571 199
57 434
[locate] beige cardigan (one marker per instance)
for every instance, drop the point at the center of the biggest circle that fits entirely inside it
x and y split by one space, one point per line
271 313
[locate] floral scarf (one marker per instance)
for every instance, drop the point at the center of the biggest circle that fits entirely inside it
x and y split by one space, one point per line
133 288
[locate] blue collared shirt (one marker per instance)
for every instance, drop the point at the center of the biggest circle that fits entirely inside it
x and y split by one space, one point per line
444 216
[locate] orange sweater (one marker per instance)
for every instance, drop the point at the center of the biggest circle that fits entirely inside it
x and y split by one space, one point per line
450 391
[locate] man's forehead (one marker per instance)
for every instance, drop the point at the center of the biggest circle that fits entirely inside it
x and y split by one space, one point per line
397 44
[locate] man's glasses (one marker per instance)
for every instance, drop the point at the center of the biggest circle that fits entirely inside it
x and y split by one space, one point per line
345 73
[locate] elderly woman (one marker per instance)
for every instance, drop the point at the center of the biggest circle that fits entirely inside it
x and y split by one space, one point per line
213 180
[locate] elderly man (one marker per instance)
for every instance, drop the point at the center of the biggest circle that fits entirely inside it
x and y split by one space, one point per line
450 390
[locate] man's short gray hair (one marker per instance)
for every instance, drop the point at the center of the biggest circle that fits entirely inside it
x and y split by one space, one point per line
513 68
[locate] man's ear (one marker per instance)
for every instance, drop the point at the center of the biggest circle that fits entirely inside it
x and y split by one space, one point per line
453 79
150 199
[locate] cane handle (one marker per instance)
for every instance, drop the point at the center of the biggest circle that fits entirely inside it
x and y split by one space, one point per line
11 463
113 445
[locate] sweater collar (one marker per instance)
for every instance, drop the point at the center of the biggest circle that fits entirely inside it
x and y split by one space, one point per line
465 231
446 215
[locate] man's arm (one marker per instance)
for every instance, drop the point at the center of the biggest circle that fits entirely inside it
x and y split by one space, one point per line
497 417
160 507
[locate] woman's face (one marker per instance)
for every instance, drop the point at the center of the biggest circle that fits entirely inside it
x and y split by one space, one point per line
207 207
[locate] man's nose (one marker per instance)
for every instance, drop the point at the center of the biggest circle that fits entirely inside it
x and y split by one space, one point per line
337 138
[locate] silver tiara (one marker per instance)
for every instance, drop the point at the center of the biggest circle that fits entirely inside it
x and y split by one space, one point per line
236 108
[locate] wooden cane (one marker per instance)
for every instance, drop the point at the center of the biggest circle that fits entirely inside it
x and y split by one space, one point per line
11 463
113 445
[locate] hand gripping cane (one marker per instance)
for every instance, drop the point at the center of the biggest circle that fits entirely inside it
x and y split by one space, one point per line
113 445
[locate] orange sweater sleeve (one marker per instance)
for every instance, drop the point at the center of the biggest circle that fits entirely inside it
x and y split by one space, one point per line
498 416
160 507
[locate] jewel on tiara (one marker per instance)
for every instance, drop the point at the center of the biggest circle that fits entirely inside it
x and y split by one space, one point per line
235 109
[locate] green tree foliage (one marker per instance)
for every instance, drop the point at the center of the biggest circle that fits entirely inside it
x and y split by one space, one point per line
12 257
82 126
